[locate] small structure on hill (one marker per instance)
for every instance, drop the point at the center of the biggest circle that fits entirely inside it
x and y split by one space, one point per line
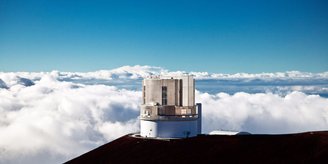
168 109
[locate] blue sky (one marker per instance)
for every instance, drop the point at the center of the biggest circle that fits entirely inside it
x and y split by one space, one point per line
215 36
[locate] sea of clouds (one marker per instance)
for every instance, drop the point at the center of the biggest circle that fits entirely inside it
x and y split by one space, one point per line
51 117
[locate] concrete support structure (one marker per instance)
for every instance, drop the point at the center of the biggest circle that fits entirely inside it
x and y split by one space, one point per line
168 109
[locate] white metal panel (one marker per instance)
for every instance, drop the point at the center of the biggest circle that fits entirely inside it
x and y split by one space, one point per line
169 129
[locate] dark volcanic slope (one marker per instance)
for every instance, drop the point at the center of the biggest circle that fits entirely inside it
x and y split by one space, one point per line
311 147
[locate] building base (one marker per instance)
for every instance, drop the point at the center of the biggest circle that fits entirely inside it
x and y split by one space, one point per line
169 129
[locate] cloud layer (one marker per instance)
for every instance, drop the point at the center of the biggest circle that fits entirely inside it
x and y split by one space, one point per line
129 77
61 120
50 117
137 71
264 112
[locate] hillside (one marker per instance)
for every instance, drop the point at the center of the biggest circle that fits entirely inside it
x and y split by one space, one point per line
310 147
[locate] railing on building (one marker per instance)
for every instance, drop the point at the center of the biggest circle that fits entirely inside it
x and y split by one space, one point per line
168 112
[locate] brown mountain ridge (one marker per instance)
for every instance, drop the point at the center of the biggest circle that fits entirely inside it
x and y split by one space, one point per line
309 147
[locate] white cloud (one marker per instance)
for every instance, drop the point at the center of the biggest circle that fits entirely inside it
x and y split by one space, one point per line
137 71
62 119
276 75
264 112
45 118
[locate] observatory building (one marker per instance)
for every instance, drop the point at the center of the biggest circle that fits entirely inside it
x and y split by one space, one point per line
168 109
